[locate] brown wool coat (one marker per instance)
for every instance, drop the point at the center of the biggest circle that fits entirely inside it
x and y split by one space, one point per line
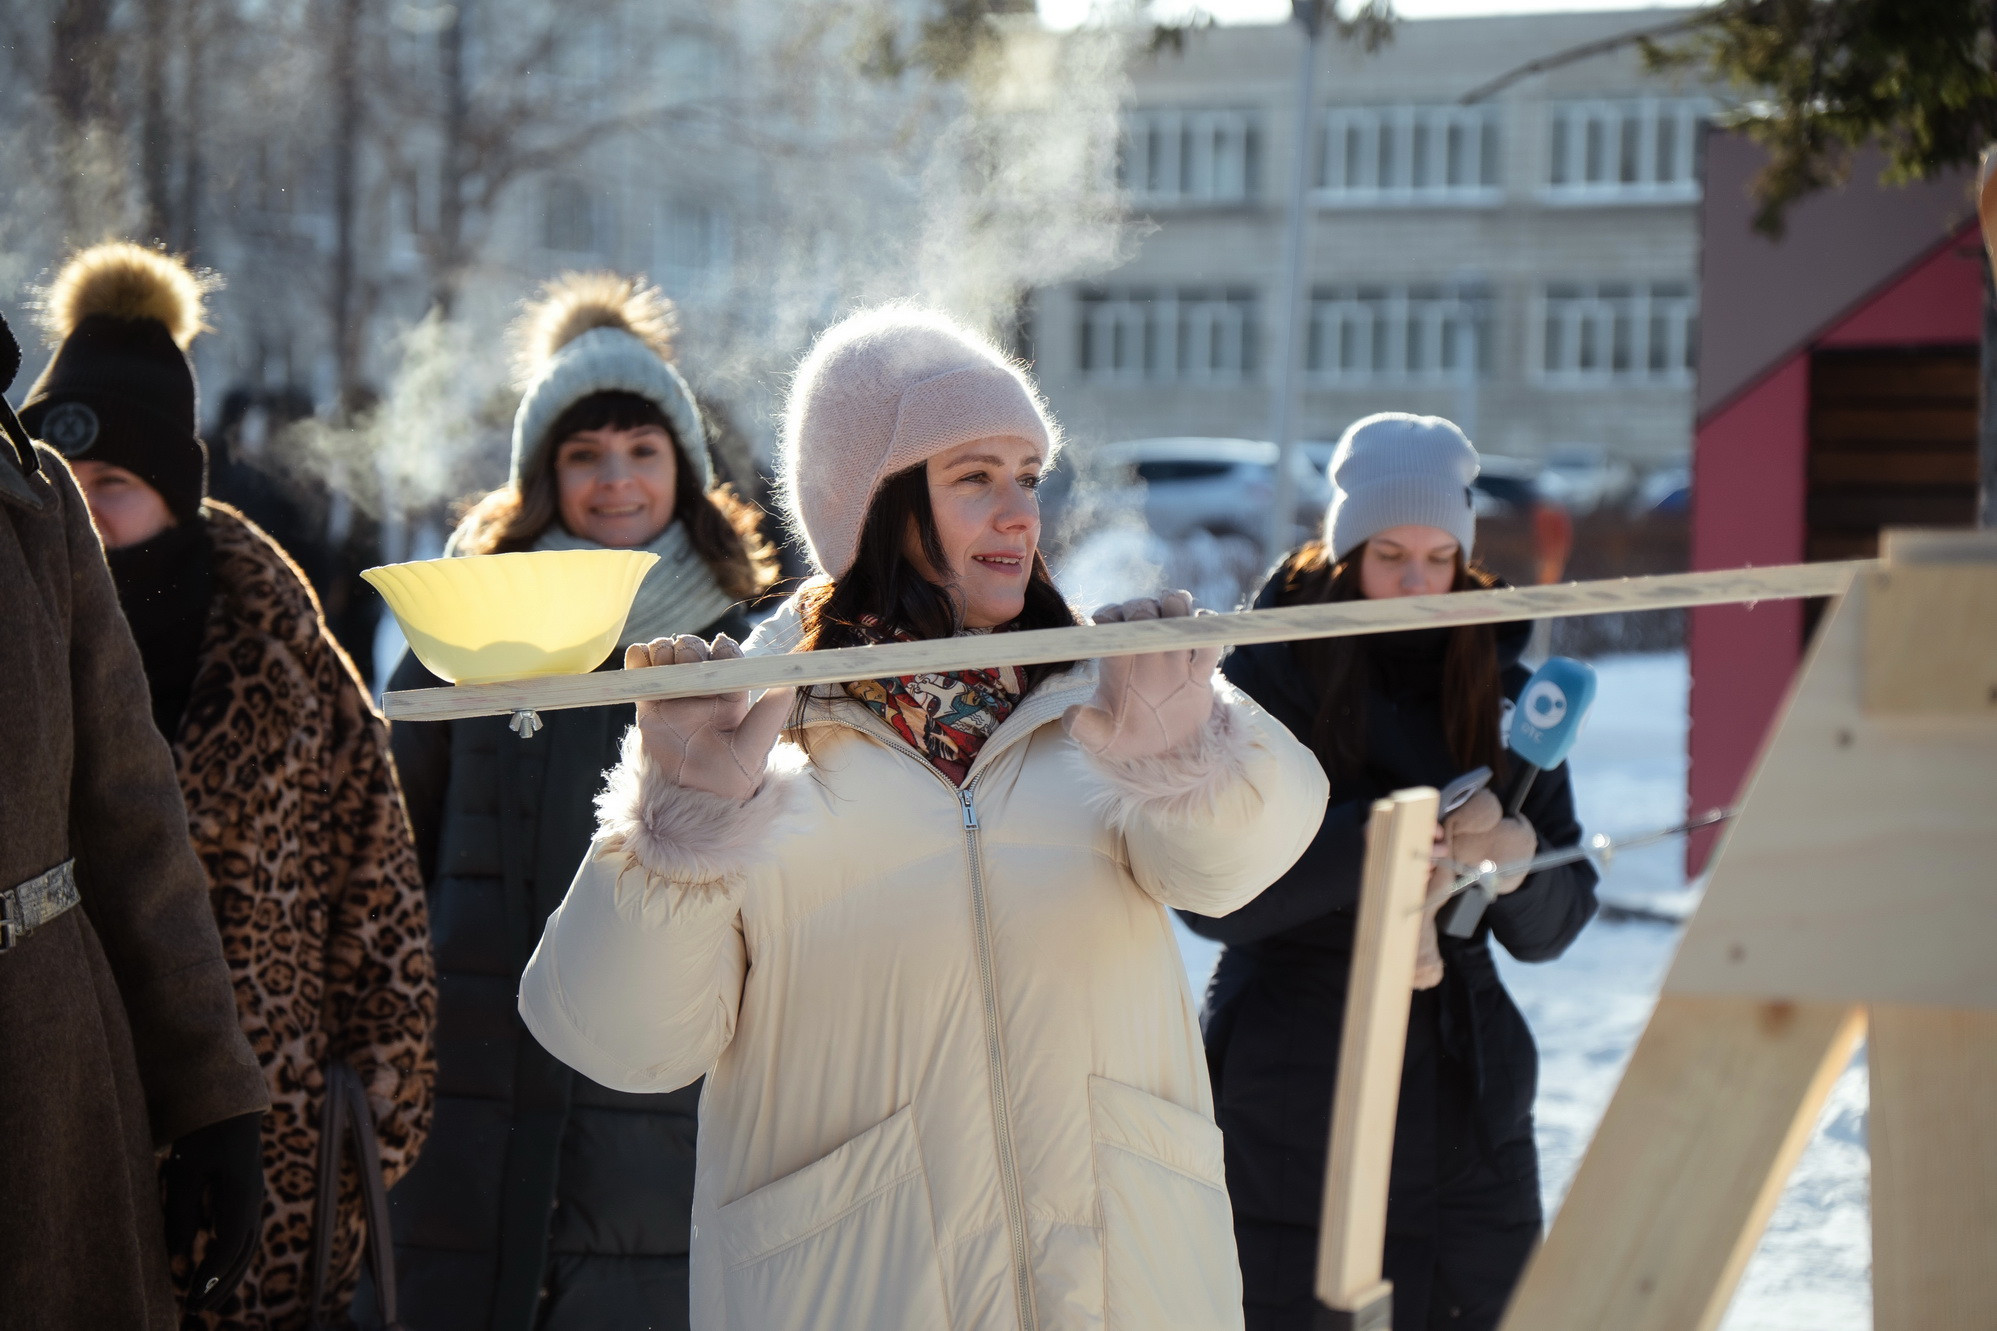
118 1030
296 813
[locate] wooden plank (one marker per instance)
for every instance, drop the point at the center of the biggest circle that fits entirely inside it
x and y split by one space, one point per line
1859 869
1924 545
1922 423
1842 544
1986 213
1932 1128
1719 1100
1931 641
1890 446
1879 507
1663 592
1937 374
1400 838
1894 467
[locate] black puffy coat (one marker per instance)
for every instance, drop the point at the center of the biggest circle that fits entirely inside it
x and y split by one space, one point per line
543 1199
1463 1208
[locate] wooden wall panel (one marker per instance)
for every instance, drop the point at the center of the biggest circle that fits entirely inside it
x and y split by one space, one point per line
1892 443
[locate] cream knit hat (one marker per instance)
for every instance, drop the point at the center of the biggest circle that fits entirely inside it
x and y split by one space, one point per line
877 394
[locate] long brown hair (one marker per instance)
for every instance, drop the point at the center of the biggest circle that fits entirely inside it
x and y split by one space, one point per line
1339 669
726 531
884 585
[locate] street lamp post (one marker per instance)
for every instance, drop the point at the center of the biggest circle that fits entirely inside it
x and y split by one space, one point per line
1290 332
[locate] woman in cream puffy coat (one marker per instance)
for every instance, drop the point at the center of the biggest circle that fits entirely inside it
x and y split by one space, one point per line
921 950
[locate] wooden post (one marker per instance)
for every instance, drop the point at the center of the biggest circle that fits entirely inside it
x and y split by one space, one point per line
1399 841
1934 1167
1719 1100
1931 660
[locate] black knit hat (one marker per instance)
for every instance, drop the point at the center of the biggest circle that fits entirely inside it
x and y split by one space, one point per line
120 388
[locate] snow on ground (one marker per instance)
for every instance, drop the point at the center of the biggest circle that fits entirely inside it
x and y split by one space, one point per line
1812 1270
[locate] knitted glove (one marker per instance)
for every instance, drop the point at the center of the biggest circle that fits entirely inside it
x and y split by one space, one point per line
213 1180
1479 831
1150 704
1428 956
717 743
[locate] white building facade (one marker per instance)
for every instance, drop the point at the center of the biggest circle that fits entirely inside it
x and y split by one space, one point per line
1524 264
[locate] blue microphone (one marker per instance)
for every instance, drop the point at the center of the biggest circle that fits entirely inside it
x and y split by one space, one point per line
1545 723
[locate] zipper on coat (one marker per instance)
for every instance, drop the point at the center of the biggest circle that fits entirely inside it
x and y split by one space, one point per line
1009 1190
1014 1199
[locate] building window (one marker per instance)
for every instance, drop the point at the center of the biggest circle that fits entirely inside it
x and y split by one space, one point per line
1181 158
1424 155
694 250
1625 152
1617 332
1398 334
570 218
1190 335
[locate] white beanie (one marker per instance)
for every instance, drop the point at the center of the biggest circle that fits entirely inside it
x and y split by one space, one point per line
879 393
1393 469
607 360
600 332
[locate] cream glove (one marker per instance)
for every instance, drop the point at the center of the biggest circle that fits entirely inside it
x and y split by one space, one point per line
1479 831
1428 956
1150 704
717 743
1476 832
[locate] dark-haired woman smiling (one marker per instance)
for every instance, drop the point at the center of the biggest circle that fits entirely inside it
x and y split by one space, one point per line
1383 713
550 1201
921 951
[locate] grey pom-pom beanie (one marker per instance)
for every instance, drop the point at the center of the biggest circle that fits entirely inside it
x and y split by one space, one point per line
1393 469
607 360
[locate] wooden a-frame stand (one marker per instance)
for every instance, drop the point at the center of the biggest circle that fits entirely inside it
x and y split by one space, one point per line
1855 893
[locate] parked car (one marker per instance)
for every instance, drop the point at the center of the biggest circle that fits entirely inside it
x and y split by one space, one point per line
1181 485
1667 490
1523 534
1506 488
1582 477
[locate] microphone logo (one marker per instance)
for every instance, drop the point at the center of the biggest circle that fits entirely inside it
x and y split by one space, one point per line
1544 704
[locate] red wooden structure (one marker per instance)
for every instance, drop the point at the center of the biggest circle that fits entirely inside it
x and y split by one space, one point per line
1838 386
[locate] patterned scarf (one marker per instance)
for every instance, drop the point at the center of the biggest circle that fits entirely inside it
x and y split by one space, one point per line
945 718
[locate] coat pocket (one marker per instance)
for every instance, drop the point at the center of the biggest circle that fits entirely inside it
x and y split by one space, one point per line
1168 1233
847 1241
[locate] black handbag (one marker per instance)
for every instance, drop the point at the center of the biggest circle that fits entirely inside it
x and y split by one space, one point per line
346 1116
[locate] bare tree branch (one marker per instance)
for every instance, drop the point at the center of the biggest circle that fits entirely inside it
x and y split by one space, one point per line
1585 51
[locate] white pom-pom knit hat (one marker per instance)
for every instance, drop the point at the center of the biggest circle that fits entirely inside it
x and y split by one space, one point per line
590 333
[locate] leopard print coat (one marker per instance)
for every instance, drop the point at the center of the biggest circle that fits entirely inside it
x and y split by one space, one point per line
297 816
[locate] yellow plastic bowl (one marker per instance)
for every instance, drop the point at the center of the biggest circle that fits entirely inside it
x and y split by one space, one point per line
481 618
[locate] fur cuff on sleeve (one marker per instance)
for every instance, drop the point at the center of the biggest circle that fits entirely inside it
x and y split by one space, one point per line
688 838
1180 785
